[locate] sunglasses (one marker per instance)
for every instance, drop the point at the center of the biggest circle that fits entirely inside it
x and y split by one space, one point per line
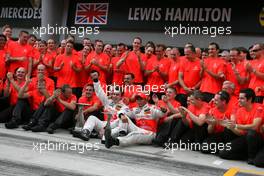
256 50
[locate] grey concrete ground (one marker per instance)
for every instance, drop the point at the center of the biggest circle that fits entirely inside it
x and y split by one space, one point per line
27 153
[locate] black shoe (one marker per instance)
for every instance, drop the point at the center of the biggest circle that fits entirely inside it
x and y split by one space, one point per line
250 161
109 140
38 128
28 126
11 125
84 135
51 128
76 133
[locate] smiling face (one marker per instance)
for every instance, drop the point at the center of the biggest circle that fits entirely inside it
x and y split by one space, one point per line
20 73
136 44
242 100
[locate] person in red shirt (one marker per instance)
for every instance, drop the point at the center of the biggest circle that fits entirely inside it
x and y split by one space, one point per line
82 56
174 69
229 87
2 62
99 61
31 95
87 42
167 122
156 71
236 71
246 121
118 73
64 102
214 119
19 53
134 61
189 75
62 47
11 89
7 32
191 126
195 119
256 70
89 104
68 68
213 69
130 90
42 57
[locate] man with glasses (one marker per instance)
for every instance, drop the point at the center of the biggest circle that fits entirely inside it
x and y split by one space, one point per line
256 70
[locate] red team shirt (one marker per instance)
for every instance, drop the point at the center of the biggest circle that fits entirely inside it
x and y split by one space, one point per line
103 59
155 79
203 110
60 107
244 117
67 75
15 49
254 80
133 65
191 73
35 97
210 84
220 116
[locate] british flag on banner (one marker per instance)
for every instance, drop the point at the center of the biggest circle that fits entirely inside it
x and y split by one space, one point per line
91 13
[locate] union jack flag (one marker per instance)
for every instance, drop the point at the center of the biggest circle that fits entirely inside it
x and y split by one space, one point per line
91 13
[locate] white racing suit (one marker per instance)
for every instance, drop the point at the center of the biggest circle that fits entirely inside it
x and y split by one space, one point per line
93 122
146 125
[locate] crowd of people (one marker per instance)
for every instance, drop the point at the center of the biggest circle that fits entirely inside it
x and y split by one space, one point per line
149 94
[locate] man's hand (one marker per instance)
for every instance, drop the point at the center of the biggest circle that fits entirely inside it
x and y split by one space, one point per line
123 118
9 76
165 99
94 76
155 98
57 93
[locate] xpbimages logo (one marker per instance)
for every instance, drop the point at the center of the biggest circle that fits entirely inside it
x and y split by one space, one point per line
81 31
64 146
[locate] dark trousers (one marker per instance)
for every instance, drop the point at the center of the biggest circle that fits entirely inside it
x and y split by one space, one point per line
21 112
197 134
243 147
5 115
63 120
182 98
43 115
216 138
164 131
4 103
259 159
208 96
178 130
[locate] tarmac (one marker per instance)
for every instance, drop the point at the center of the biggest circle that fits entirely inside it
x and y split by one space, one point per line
37 149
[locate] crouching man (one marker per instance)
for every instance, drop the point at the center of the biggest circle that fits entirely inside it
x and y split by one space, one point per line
64 102
146 117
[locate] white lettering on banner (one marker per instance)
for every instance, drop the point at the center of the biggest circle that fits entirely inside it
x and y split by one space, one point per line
144 14
180 14
198 14
20 13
